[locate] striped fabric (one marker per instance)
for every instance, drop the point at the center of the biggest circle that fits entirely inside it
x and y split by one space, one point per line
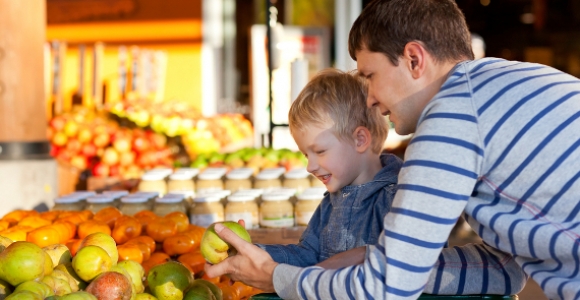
500 142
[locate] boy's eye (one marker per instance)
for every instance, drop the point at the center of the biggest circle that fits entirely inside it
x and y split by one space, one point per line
320 151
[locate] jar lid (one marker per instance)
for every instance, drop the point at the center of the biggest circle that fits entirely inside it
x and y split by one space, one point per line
253 192
268 175
153 176
170 198
192 171
275 197
210 175
185 193
181 176
165 171
312 194
240 173
240 198
149 195
66 199
287 191
207 198
83 194
298 173
100 198
219 193
134 199
116 194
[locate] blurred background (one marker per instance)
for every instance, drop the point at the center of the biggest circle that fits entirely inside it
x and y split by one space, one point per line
95 93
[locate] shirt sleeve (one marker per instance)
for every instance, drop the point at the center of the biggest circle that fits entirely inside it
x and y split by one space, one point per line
306 252
442 164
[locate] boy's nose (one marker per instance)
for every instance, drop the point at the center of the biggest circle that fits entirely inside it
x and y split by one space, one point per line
311 167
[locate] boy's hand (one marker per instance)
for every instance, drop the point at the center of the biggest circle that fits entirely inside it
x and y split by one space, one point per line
251 265
347 258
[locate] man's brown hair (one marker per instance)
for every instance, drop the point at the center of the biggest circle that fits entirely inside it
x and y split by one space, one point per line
341 98
386 26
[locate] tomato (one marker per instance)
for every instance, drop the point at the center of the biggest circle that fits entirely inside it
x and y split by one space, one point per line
161 229
125 229
179 244
92 226
180 219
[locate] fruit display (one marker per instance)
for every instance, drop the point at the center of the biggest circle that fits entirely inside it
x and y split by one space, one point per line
254 158
107 255
89 140
177 118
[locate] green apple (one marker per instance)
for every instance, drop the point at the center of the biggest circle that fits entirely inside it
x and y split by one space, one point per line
24 295
37 287
214 249
59 286
136 271
104 241
203 289
90 261
73 278
20 262
58 253
168 281
80 295
144 296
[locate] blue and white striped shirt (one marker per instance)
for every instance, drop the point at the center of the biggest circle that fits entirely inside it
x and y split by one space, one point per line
500 142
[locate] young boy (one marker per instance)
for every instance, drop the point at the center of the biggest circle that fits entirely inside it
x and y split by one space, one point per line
343 141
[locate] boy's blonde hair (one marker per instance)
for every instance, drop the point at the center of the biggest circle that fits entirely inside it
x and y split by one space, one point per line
340 97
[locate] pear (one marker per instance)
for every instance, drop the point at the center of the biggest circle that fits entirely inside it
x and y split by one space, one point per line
81 295
58 253
203 289
37 287
5 289
59 286
90 261
104 241
136 273
74 279
144 296
24 295
64 276
47 264
20 262
169 280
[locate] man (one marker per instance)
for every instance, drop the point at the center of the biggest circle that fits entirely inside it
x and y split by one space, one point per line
495 139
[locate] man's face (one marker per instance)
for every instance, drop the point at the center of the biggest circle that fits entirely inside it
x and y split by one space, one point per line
392 89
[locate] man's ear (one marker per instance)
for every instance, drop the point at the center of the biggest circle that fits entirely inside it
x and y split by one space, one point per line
415 56
362 139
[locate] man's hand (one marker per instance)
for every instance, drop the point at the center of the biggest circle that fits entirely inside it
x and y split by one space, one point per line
344 259
251 265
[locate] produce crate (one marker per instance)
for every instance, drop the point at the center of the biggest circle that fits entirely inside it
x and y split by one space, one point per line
276 235
68 177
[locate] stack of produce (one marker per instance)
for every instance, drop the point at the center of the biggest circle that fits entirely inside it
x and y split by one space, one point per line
89 140
107 255
254 158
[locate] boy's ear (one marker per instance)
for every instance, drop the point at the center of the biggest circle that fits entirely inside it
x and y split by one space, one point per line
415 56
362 139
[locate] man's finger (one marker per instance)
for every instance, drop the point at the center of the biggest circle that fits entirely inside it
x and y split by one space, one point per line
217 270
229 236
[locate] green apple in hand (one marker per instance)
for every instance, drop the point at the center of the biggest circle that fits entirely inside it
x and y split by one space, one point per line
214 249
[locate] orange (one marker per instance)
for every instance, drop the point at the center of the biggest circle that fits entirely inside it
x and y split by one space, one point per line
145 250
126 228
147 240
44 236
195 261
65 229
108 215
50 215
4 225
180 219
155 259
179 244
130 252
16 233
161 229
145 217
91 226
73 245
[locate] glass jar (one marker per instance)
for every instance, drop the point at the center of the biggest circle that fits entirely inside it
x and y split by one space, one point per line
168 204
153 182
98 202
315 182
307 204
69 202
117 195
210 180
206 210
268 180
180 181
297 179
276 211
239 179
243 207
131 204
83 195
192 171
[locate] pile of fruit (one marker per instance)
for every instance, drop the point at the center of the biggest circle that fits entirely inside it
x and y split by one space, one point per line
80 255
89 140
178 118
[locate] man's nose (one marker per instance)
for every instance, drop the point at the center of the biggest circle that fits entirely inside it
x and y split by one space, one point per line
371 101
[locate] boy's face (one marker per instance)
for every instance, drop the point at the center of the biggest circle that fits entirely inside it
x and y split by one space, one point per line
392 89
332 160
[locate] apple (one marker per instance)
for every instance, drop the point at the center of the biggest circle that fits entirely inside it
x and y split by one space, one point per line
59 138
114 171
136 272
59 254
26 295
214 249
144 296
58 285
85 135
60 274
203 289
21 261
122 144
104 241
57 123
127 158
89 150
71 128
169 280
37 287
110 286
141 144
80 295
101 140
73 278
100 170
158 140
110 156
4 242
78 161
90 261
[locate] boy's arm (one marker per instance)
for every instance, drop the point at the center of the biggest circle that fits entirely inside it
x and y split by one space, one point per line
307 251
347 258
